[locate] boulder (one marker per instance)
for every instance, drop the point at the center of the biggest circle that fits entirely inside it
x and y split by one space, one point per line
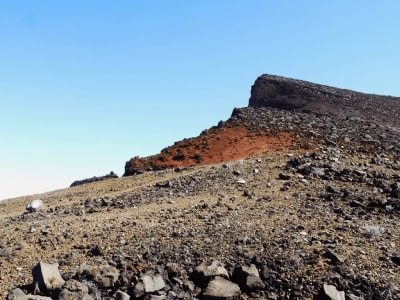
205 272
220 288
329 292
148 283
18 294
105 275
74 290
46 277
248 278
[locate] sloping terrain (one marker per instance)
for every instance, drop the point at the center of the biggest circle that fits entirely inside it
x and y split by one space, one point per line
309 200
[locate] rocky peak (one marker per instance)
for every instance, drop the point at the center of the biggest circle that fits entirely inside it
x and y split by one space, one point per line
303 96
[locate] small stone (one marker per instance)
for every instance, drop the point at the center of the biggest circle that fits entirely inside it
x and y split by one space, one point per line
96 251
396 260
284 176
155 297
333 257
35 205
119 295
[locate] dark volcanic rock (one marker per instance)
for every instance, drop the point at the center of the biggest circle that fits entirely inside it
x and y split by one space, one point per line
302 96
94 179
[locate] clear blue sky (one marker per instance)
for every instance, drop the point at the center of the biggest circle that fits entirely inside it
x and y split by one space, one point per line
86 85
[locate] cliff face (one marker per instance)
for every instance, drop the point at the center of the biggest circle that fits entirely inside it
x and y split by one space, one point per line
302 96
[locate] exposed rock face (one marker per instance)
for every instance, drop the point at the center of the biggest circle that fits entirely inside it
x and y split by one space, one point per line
302 96
245 133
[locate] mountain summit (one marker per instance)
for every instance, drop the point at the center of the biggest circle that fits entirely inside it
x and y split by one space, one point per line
283 114
303 96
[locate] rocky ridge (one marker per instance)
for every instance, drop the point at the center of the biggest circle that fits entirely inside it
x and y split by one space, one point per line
298 95
312 215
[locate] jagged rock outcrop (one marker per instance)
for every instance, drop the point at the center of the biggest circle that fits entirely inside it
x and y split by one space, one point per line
94 179
278 108
303 96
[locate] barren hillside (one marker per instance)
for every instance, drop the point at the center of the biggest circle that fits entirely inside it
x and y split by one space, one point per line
295 197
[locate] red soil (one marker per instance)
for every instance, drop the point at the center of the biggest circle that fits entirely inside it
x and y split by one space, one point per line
215 145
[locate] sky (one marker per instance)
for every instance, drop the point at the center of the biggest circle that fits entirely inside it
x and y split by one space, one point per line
86 85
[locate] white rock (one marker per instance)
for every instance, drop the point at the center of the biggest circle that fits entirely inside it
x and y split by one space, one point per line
47 277
220 288
35 205
333 293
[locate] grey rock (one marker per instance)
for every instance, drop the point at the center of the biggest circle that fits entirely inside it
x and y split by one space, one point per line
46 277
171 295
155 297
354 297
18 294
74 290
334 257
329 292
153 283
105 275
220 288
206 272
148 283
317 172
119 295
248 278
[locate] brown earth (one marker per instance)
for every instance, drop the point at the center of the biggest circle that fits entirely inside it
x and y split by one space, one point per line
213 146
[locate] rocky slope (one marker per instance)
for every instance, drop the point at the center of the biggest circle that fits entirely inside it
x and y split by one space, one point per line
270 204
249 129
298 95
